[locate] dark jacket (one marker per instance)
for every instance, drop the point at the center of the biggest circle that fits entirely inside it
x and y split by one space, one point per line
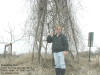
59 43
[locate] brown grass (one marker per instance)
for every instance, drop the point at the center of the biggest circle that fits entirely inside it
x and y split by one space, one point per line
45 68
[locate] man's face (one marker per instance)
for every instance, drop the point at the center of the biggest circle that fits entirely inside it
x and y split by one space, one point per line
58 30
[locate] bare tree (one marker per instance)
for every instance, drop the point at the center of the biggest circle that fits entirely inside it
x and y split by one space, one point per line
10 39
53 12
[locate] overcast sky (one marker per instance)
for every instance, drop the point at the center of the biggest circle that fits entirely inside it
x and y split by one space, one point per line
14 13
89 19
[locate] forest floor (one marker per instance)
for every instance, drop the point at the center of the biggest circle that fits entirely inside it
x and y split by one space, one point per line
23 65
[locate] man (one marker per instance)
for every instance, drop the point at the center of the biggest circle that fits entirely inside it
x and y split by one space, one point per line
59 48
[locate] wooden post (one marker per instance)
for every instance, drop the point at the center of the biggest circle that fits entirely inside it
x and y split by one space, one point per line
5 51
9 49
89 54
97 59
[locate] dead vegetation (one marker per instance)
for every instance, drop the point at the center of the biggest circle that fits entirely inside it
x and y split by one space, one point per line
45 68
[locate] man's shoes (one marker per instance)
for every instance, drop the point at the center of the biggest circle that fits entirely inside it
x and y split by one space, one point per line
62 71
58 71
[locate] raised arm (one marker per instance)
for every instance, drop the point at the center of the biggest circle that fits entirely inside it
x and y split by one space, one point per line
50 38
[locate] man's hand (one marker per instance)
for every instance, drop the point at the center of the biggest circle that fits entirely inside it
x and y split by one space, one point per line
65 53
51 33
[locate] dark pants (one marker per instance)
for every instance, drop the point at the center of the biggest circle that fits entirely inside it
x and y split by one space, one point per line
60 71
